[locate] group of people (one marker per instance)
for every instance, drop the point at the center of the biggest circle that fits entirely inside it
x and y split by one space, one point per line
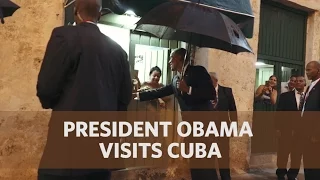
297 126
197 90
84 70
296 122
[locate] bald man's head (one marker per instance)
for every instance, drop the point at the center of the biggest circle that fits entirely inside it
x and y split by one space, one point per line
313 70
87 10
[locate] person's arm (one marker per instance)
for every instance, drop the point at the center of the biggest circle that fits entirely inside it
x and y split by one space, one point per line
274 96
203 87
125 94
259 92
56 64
166 98
138 83
155 93
232 105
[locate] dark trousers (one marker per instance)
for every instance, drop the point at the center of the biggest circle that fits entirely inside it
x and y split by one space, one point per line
311 159
289 144
204 174
202 169
224 161
92 176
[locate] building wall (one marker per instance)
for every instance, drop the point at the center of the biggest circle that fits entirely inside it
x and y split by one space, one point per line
238 72
23 38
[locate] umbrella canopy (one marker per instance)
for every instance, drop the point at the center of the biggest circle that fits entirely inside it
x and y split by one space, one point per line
7 8
239 11
195 24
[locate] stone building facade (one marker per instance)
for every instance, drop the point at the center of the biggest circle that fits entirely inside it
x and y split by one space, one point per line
23 40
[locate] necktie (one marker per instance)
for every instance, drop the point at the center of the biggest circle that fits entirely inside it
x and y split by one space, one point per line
301 100
215 102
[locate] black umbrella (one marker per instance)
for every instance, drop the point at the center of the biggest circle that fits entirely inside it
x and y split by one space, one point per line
7 8
239 11
195 24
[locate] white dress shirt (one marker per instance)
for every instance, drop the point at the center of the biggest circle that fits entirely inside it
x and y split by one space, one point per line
217 89
298 97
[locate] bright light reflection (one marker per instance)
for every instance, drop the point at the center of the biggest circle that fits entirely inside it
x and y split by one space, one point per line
130 13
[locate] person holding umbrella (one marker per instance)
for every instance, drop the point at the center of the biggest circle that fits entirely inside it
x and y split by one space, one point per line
193 90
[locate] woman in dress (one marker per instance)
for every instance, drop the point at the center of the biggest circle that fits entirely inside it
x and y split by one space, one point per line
265 100
267 93
153 83
157 108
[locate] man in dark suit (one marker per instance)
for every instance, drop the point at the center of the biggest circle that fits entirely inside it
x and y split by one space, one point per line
311 122
193 91
82 70
226 109
289 136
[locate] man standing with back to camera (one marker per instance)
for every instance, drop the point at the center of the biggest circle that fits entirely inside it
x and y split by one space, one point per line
82 70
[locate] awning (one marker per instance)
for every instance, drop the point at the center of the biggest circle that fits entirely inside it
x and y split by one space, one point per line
239 11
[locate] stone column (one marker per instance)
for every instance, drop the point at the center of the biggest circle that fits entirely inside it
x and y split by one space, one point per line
23 40
313 38
237 72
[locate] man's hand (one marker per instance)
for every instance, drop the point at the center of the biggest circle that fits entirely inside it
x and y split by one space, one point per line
162 103
182 86
134 95
264 90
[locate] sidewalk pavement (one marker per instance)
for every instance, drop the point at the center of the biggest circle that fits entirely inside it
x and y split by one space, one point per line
253 174
261 174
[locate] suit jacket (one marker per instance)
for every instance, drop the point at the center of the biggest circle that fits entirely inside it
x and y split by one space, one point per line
226 106
82 70
202 90
288 114
311 112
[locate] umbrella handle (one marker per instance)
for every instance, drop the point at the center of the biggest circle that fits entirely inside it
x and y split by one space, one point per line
186 57
66 5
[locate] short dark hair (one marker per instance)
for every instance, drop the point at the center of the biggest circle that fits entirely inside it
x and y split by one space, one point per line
90 8
181 52
293 76
156 68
